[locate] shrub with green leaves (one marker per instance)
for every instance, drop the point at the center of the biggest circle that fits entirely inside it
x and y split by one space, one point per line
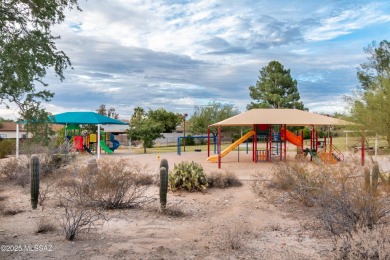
7 147
187 175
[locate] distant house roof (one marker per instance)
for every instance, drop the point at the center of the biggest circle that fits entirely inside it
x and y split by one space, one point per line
9 127
292 117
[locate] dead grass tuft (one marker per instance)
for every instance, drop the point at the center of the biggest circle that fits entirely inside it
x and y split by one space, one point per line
233 236
364 243
44 225
173 211
223 180
16 171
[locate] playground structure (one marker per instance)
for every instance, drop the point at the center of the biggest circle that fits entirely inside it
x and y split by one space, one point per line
77 118
87 142
270 144
270 135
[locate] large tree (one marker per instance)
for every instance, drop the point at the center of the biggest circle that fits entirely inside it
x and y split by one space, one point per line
210 114
275 88
376 70
370 106
27 52
144 128
169 120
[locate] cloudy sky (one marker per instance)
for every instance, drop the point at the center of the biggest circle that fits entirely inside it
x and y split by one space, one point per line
178 54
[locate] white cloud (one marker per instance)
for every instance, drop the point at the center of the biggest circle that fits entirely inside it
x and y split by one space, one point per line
346 22
177 54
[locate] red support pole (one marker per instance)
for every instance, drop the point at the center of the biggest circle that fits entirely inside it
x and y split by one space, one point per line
270 144
253 144
316 142
208 141
280 144
255 150
285 142
219 147
267 144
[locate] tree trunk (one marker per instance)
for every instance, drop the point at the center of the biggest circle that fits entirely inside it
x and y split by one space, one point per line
144 148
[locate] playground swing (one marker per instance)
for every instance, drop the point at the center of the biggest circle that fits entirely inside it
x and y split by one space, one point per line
179 142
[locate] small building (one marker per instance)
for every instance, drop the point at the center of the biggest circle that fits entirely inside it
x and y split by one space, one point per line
8 130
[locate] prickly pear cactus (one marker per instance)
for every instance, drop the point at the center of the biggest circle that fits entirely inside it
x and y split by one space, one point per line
189 176
163 187
34 168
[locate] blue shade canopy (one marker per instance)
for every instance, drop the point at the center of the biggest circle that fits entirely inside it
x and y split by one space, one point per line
85 118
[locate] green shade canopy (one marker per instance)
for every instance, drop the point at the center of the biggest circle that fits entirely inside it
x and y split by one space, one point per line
85 118
73 127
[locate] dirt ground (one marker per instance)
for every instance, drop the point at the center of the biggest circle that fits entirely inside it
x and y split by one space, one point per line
213 223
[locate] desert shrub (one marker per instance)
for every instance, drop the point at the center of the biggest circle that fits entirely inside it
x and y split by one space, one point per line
115 184
233 236
187 175
300 181
120 185
46 188
145 180
78 218
364 243
51 163
223 180
16 170
346 205
343 203
44 225
7 147
28 147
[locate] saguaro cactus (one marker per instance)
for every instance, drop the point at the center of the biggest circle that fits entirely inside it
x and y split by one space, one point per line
163 187
163 183
34 168
164 163
375 176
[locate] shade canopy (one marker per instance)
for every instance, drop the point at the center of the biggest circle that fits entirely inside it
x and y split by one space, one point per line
291 117
85 118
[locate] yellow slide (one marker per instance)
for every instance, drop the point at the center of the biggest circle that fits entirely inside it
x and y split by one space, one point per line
214 158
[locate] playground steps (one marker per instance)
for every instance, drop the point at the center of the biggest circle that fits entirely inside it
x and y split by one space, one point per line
337 154
327 157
